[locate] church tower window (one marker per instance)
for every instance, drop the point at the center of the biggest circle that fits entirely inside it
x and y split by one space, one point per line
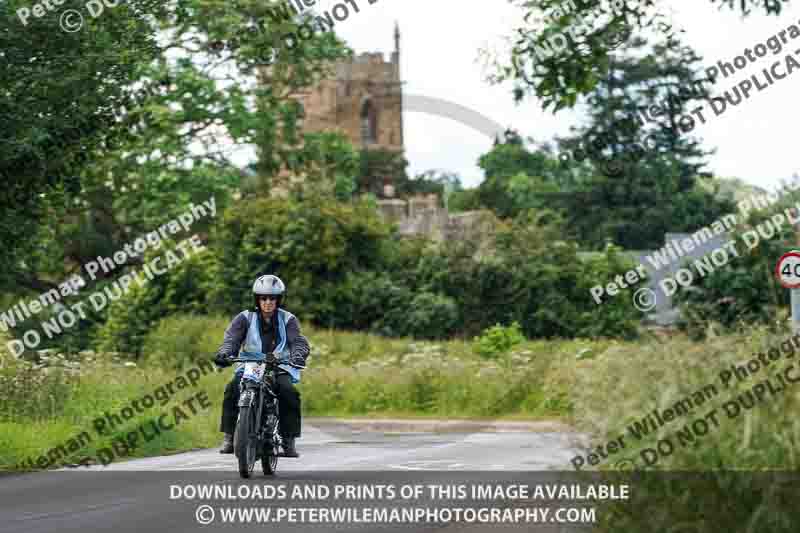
369 123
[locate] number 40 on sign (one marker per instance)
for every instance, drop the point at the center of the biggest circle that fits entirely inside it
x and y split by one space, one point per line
788 269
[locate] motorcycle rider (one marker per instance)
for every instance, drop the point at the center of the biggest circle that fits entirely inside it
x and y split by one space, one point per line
268 328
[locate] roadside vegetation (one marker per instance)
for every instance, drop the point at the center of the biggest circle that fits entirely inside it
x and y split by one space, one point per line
600 386
724 476
350 374
636 380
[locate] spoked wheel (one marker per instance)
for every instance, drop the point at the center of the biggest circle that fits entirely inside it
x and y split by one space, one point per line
243 443
269 459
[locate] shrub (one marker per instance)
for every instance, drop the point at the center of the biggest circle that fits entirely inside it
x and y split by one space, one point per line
423 315
180 341
498 340
466 200
372 301
346 269
28 391
323 249
312 245
531 276
744 291
431 316
183 289
363 300
554 298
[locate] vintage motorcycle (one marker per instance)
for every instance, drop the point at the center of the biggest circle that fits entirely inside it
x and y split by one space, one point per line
256 436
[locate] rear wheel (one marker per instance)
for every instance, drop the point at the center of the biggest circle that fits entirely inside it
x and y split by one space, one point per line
244 441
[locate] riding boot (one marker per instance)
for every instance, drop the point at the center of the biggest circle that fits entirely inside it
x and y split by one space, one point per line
227 444
288 448
230 406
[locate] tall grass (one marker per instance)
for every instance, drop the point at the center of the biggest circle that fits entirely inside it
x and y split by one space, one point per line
600 386
358 374
628 381
71 397
717 480
349 374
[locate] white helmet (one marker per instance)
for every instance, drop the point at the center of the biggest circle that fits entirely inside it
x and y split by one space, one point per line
269 284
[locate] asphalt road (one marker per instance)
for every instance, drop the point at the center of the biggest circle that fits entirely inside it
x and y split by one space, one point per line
137 495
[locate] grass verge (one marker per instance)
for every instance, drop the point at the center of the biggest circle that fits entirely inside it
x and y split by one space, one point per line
350 375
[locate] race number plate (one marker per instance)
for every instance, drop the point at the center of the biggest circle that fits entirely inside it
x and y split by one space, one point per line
253 371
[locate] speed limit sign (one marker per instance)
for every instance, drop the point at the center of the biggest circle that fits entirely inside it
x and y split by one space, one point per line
788 269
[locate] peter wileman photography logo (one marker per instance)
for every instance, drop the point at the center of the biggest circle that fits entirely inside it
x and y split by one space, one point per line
71 20
66 317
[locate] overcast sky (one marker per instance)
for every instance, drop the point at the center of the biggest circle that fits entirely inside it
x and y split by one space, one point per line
440 41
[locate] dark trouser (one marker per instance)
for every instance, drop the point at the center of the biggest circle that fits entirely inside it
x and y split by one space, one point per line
288 406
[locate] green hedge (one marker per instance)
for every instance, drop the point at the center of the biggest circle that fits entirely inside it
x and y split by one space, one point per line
533 277
346 269
312 245
186 288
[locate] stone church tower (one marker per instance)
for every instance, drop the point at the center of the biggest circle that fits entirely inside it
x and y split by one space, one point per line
364 101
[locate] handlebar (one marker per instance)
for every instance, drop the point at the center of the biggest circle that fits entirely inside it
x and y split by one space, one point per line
269 359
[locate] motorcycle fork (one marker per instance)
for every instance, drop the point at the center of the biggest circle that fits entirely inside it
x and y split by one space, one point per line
257 397
268 432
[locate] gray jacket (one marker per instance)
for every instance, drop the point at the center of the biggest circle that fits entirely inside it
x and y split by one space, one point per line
236 333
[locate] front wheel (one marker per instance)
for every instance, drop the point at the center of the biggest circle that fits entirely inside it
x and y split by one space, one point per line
269 458
244 441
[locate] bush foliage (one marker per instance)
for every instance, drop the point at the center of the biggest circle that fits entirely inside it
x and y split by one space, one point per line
744 291
181 341
498 340
347 269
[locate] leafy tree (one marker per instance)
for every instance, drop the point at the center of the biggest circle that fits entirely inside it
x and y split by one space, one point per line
642 111
313 243
173 111
464 200
639 175
654 189
517 178
434 181
61 98
377 165
328 164
110 136
560 79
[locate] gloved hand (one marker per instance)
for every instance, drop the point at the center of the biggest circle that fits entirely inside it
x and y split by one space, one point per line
221 361
297 361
